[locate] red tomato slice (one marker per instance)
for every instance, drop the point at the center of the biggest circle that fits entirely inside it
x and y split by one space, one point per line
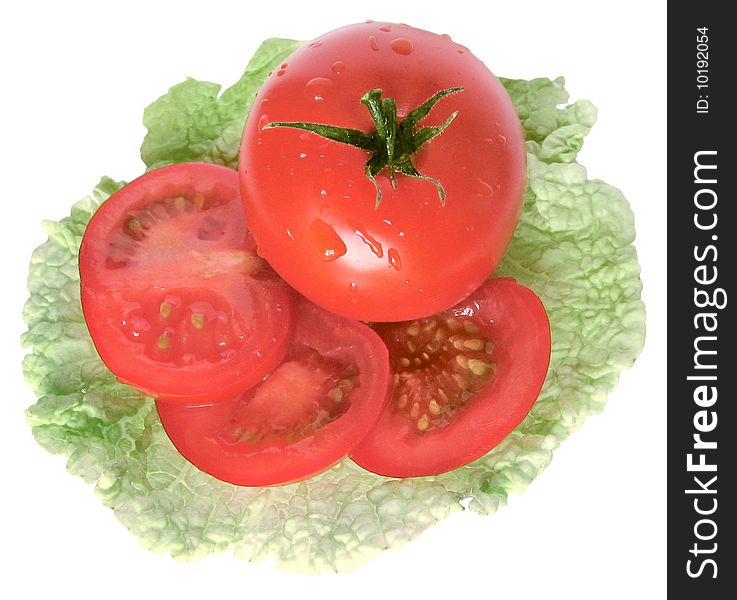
463 380
174 295
302 418
313 211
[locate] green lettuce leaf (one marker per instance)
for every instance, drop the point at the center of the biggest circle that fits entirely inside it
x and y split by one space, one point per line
573 247
193 123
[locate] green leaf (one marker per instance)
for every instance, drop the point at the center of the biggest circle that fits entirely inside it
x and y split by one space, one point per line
193 123
573 247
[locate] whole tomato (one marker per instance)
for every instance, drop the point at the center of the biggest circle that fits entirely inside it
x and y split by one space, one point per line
383 171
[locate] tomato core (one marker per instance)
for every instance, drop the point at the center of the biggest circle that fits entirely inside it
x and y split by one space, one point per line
438 364
176 328
305 393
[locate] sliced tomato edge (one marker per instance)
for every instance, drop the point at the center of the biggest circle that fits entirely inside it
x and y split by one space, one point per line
455 445
349 429
196 387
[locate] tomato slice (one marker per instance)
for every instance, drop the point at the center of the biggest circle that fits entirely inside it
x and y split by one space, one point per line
175 297
463 380
306 415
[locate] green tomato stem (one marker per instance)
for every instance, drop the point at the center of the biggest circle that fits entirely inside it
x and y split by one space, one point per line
392 144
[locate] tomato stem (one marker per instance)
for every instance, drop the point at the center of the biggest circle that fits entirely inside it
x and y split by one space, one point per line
392 144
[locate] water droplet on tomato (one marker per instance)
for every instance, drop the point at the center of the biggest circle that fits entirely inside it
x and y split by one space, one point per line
328 243
318 88
315 44
353 287
371 242
402 46
284 65
373 43
280 72
486 189
385 28
137 326
394 260
338 66
500 139
263 121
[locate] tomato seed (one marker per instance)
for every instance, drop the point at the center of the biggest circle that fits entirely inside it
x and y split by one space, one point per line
423 423
470 327
478 367
413 329
474 344
430 325
453 324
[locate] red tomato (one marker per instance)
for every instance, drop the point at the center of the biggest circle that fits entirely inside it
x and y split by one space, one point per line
175 298
312 209
463 380
306 415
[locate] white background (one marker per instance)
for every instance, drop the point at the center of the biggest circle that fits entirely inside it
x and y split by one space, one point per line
75 78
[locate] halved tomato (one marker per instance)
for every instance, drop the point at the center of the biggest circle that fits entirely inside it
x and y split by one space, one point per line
463 380
175 298
306 415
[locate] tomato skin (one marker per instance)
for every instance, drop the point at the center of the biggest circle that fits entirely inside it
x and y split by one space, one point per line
515 320
198 431
187 272
312 210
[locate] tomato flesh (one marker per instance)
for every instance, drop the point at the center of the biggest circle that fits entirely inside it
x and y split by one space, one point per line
303 417
175 297
313 211
462 381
